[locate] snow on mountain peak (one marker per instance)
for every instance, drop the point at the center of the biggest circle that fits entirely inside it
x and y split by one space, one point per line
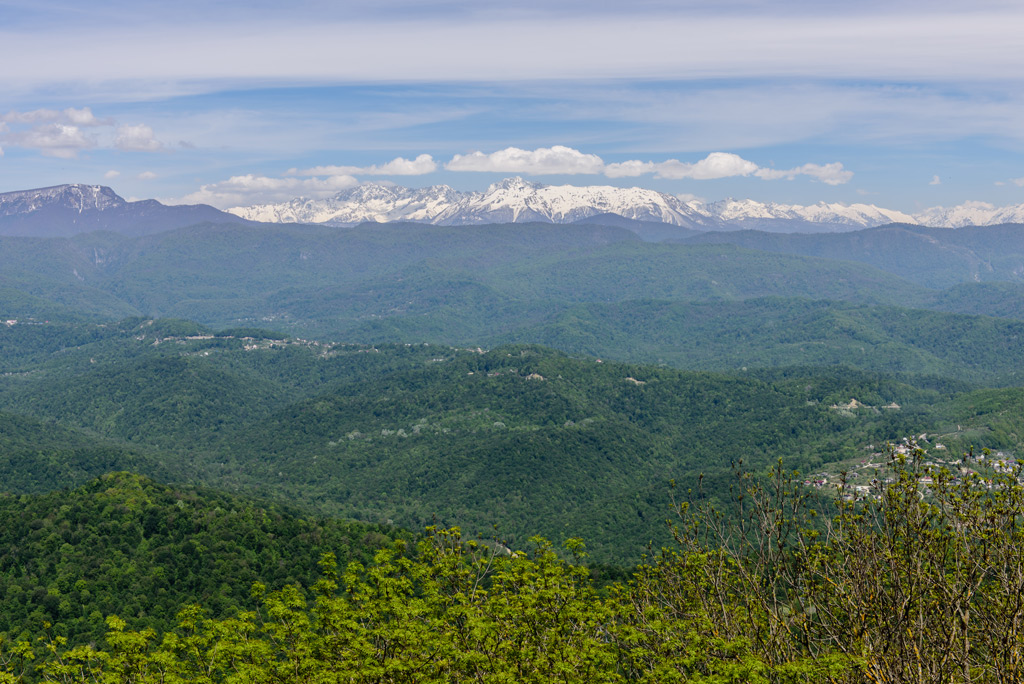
514 184
516 200
971 214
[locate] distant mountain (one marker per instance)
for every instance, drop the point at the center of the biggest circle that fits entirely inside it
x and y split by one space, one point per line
749 214
515 200
970 214
66 210
933 257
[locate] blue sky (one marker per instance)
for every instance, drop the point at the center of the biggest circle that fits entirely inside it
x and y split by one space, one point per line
903 104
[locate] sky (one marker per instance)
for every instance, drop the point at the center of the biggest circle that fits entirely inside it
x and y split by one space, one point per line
906 104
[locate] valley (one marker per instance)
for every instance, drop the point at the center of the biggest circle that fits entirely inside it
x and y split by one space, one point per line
511 380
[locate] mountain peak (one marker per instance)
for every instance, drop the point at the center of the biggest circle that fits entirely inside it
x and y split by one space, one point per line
75 196
515 183
63 210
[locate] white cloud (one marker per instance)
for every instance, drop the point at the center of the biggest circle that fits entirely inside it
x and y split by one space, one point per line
147 175
84 117
629 169
935 180
137 138
251 189
566 160
53 140
1019 182
830 174
111 174
76 117
62 133
33 116
543 160
398 166
853 42
715 165
324 181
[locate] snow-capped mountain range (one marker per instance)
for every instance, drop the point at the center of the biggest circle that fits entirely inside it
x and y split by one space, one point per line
517 200
65 210
510 201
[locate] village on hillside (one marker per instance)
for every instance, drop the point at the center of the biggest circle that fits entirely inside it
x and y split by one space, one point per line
923 455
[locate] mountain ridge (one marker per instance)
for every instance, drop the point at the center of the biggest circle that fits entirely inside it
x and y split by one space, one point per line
71 209
66 210
515 200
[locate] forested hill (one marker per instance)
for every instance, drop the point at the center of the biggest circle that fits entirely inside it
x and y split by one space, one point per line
589 289
522 437
124 544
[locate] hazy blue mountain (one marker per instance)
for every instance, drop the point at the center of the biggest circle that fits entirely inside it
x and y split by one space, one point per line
933 257
66 210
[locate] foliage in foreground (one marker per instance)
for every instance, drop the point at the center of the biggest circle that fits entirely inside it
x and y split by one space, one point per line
123 543
918 582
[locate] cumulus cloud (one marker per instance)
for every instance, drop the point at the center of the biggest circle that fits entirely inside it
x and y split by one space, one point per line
715 165
566 160
399 166
629 169
935 180
111 174
137 138
147 175
76 117
53 140
84 117
252 189
63 133
1019 182
324 181
543 160
830 174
